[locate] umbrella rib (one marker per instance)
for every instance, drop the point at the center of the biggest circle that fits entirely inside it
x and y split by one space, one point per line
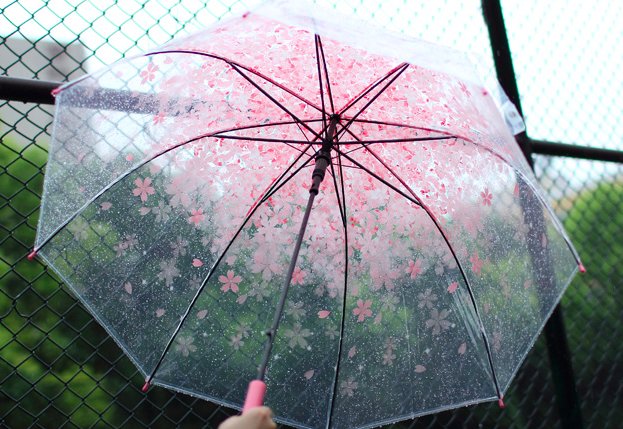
234 63
397 72
343 318
320 55
379 178
205 281
238 69
399 68
460 266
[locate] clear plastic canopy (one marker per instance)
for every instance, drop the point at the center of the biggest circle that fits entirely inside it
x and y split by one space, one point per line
175 189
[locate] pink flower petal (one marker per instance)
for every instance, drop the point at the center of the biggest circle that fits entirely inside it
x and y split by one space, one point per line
106 205
144 210
352 352
309 374
202 314
129 157
197 263
128 287
160 312
453 286
462 348
420 369
323 314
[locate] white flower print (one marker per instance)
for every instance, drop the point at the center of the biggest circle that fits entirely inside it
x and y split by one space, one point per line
427 299
438 321
185 345
162 212
389 302
297 336
236 341
168 272
260 292
348 387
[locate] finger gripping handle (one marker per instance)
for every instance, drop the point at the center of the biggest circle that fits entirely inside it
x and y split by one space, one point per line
255 395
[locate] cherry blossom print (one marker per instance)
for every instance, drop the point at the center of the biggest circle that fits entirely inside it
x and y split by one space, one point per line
497 341
427 299
453 287
477 263
260 292
389 356
80 229
230 282
486 196
185 346
437 321
309 374
414 268
363 310
296 310
462 348
126 244
143 188
179 247
297 336
420 369
127 286
149 74
168 272
160 312
323 314
298 276
201 314
106 205
197 263
196 217
129 157
348 387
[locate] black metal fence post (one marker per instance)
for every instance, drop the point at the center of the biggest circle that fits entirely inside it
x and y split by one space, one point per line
555 334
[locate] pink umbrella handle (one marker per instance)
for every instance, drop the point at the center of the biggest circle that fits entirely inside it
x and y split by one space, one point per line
255 395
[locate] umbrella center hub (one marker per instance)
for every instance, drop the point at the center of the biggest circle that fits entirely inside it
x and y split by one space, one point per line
323 156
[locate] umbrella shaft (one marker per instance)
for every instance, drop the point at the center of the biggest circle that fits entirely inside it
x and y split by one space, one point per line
323 160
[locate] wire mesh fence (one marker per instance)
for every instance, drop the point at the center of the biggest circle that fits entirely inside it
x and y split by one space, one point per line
58 368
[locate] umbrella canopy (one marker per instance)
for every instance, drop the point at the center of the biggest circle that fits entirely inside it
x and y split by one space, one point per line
177 183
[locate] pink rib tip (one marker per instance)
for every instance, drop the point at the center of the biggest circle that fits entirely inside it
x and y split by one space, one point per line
145 387
501 403
582 269
31 255
55 92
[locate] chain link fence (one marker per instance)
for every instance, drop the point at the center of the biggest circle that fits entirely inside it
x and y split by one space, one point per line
58 368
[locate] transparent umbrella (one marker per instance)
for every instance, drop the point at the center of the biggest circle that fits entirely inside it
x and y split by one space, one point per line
341 208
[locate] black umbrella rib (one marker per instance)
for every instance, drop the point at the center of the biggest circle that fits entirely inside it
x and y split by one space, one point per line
298 121
538 195
205 281
377 177
395 71
320 56
395 74
458 262
320 85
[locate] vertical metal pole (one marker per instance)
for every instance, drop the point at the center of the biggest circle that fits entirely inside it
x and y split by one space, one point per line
555 335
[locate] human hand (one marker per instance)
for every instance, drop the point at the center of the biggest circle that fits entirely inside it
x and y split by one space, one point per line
255 418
